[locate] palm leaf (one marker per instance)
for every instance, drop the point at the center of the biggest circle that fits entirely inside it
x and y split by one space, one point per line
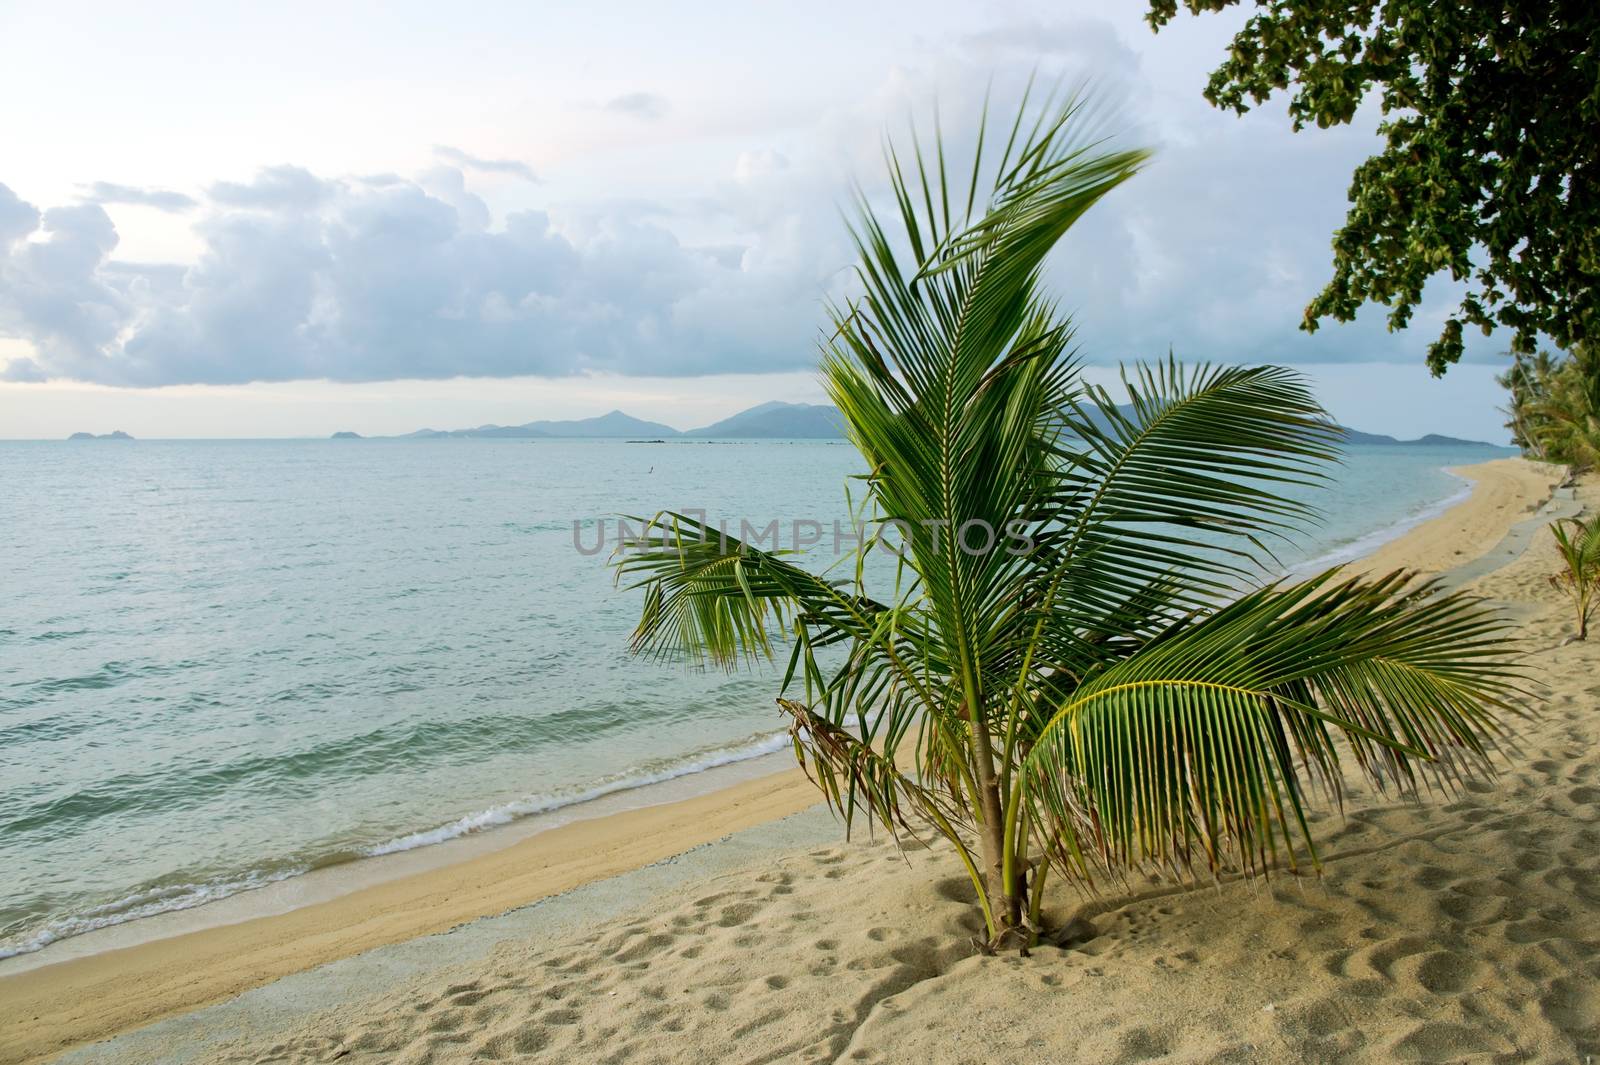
714 598
1197 748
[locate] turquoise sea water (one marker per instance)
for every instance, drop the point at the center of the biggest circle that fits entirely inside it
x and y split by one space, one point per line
224 663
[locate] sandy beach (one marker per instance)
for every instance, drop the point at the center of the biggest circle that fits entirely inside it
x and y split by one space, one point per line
1466 930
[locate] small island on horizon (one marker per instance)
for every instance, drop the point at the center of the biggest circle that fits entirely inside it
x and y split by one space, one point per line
115 434
345 434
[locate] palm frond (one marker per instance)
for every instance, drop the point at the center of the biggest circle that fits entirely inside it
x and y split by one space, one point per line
943 367
1196 749
1194 474
714 598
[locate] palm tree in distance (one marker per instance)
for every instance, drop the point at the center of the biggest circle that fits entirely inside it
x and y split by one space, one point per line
1064 674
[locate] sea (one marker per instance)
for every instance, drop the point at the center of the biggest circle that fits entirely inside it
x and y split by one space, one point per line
225 664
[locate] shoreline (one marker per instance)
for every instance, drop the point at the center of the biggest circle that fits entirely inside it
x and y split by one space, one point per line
54 1005
259 893
1363 546
1502 494
51 1008
307 885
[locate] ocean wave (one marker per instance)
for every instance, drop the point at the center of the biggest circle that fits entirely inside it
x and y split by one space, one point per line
171 898
147 903
505 813
408 745
1366 543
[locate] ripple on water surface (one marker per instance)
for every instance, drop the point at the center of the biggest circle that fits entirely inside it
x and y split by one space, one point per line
229 662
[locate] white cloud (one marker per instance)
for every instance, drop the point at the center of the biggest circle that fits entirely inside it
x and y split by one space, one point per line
456 157
1213 251
643 105
275 188
350 280
751 166
160 199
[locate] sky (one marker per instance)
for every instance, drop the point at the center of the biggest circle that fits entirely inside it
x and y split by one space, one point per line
284 220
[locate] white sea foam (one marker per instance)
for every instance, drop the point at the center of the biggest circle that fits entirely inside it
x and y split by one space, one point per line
171 898
505 813
1369 542
149 903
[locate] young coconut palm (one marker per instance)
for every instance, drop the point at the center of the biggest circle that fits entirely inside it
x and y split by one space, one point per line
1579 544
1065 675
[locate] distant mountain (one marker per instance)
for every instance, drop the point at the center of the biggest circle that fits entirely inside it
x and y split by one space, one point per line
613 425
1352 437
116 434
1355 436
346 435
480 431
769 421
783 421
778 421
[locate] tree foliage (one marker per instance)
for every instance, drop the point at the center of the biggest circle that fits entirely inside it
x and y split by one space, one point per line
1555 406
1490 169
1117 687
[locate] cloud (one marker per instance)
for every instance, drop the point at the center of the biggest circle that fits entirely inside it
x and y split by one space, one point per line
275 188
1087 49
160 199
1212 251
461 159
1217 246
17 219
450 185
643 105
53 290
305 277
750 166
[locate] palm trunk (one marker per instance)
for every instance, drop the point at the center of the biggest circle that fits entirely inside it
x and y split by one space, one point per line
1005 902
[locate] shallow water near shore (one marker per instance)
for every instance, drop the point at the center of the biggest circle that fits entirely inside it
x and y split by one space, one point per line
226 663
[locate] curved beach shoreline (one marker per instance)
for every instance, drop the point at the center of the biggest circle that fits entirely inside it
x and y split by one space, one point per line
1504 492
49 1008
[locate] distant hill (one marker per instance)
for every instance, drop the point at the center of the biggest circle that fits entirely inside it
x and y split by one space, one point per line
346 435
615 425
115 434
1352 437
480 431
769 421
1356 437
788 421
778 421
